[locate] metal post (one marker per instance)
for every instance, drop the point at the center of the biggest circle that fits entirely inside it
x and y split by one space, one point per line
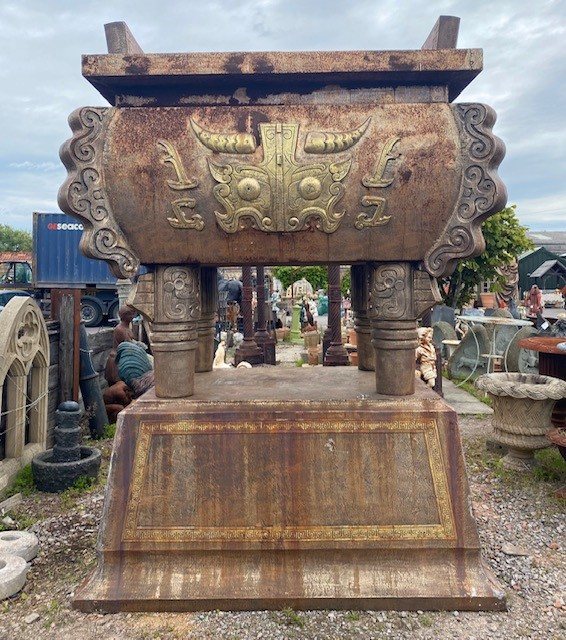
336 354
248 349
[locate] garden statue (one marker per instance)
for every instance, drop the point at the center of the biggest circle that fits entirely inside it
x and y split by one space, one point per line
426 356
510 290
534 301
135 367
327 487
220 356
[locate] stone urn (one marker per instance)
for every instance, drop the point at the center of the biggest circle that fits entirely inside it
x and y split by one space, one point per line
522 406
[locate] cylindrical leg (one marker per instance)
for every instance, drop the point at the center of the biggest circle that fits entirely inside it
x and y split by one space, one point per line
174 352
248 349
394 342
169 298
362 324
336 354
205 324
262 337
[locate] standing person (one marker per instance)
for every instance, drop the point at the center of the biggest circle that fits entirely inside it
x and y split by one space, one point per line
534 301
313 307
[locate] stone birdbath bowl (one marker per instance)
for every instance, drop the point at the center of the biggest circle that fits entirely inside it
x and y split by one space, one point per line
522 407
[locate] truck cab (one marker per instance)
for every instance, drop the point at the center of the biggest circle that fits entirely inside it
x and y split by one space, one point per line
15 274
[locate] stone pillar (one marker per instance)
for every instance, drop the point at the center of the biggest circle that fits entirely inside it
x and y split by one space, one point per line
248 349
262 337
124 286
39 395
295 335
205 324
336 354
169 299
360 294
16 413
399 294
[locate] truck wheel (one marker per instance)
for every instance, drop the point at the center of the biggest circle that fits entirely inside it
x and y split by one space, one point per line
91 311
113 311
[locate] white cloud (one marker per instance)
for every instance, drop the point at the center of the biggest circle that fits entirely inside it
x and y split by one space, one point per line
41 42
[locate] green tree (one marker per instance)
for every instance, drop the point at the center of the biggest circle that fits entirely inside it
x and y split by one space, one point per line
14 239
346 283
317 276
505 239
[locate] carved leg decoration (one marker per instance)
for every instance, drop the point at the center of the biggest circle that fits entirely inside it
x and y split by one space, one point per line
248 350
169 299
399 294
262 337
205 325
336 354
362 325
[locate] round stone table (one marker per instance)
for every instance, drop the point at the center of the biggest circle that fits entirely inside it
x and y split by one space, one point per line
552 362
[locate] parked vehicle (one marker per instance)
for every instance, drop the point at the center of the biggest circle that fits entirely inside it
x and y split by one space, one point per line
57 263
7 294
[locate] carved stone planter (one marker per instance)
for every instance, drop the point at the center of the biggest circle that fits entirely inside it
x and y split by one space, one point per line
522 406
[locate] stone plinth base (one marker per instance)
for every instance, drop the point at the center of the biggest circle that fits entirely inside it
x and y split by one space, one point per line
308 491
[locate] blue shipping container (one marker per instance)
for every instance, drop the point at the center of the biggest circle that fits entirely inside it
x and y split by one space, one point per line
57 259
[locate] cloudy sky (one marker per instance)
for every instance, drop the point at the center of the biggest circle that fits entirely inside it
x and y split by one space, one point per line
524 44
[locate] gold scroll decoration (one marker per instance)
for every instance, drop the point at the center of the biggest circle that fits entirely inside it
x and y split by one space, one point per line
180 219
378 180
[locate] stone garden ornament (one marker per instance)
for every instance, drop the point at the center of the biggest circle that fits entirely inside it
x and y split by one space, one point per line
522 407
327 487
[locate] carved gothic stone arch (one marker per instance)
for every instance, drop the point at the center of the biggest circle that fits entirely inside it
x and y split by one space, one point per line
24 351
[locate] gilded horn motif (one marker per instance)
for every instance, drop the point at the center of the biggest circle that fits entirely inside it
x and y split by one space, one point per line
278 194
180 220
379 180
334 142
225 142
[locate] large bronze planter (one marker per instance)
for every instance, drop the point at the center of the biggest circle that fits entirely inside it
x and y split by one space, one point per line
522 406
301 488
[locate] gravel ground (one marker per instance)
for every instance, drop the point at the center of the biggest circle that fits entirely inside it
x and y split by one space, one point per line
510 510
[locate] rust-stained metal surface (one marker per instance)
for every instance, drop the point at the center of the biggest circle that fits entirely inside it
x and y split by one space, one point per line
283 185
551 362
167 78
261 510
544 344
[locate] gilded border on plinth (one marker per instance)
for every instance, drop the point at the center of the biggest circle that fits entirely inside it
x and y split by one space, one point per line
445 530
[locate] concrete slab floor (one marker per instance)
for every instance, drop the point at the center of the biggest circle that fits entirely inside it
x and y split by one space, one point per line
462 402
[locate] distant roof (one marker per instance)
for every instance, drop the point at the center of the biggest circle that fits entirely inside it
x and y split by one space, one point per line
552 240
553 266
17 256
527 253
